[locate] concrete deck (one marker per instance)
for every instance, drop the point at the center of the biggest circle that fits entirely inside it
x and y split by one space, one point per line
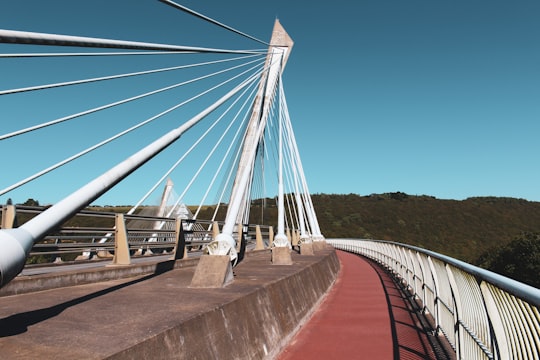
158 316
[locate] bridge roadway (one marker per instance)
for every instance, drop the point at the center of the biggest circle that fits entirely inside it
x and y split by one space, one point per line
366 315
159 316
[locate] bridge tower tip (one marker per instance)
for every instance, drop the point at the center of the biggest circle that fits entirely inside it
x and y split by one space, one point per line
281 39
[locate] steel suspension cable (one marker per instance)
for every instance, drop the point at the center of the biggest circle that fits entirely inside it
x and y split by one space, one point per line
215 22
111 53
174 167
34 38
171 169
78 155
119 76
226 155
213 150
312 216
116 103
194 177
228 181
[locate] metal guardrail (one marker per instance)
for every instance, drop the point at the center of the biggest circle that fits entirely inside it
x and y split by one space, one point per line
483 315
146 235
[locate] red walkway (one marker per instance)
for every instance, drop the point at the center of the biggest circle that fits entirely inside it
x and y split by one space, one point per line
361 319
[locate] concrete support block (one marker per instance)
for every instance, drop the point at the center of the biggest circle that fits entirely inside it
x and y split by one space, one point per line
319 245
148 252
213 271
281 256
104 254
306 248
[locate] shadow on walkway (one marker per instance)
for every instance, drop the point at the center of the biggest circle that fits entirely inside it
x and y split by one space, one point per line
366 315
19 323
412 335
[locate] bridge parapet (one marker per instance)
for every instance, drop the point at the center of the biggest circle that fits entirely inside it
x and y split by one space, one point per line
483 315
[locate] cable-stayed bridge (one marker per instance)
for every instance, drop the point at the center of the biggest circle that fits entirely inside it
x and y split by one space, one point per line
175 125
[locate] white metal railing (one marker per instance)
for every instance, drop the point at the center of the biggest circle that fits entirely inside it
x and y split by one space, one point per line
483 315
95 237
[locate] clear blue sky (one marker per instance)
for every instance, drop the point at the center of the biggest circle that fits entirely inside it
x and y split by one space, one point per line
423 97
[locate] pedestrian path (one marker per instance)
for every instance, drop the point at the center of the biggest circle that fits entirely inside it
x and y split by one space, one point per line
364 316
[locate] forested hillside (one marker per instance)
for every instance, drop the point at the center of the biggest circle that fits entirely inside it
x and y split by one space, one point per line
461 229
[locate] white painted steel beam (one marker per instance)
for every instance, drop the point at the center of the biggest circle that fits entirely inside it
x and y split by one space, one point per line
15 244
27 37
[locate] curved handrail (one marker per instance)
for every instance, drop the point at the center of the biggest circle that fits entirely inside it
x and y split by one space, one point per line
483 315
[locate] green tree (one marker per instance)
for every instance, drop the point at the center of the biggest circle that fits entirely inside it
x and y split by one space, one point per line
31 202
519 259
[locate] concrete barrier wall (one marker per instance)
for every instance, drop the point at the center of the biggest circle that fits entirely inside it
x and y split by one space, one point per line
255 326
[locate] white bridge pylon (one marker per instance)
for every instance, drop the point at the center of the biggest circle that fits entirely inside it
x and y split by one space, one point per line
238 211
16 244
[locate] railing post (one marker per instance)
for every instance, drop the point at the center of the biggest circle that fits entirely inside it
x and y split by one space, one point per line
458 311
259 244
215 230
121 246
270 236
289 237
8 217
180 251
241 243
239 230
436 303
497 324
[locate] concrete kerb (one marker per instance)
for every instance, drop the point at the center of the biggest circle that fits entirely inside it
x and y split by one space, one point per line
33 283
